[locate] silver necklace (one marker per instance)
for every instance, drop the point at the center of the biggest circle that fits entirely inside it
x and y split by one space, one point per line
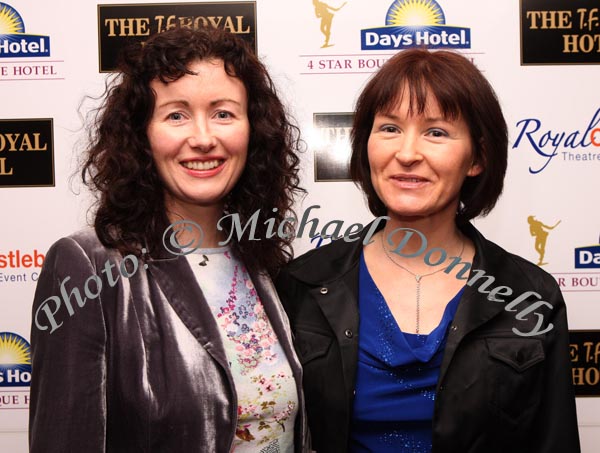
417 277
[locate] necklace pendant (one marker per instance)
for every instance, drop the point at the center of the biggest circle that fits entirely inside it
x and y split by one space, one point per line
418 278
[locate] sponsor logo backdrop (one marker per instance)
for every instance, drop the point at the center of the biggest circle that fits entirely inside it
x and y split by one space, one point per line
541 57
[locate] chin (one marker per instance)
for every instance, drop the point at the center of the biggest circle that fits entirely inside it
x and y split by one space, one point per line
407 211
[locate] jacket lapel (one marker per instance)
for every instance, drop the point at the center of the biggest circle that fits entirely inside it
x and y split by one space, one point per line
176 280
475 309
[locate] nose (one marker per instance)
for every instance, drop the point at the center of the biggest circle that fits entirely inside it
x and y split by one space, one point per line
202 137
408 150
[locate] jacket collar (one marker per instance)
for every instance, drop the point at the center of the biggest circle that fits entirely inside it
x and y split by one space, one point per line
472 311
475 308
333 261
338 263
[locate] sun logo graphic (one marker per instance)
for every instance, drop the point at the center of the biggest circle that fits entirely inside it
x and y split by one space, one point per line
15 360
14 42
415 23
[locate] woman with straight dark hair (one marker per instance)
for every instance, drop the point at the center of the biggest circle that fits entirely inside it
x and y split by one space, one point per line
159 330
462 348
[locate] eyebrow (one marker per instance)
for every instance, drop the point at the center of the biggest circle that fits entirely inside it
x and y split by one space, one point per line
393 117
187 104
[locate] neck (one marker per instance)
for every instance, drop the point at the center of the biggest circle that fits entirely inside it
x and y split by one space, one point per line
206 217
413 236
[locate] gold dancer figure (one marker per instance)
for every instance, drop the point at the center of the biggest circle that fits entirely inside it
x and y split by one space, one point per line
324 12
536 228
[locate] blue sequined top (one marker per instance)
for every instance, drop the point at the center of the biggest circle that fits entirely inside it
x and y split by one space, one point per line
396 376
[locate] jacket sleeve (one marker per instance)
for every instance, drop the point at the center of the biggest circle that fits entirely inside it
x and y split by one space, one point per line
68 343
555 429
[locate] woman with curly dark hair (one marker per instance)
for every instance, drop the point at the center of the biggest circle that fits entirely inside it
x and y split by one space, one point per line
171 347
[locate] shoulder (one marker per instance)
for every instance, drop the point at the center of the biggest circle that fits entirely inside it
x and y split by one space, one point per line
332 261
508 261
314 269
73 260
511 269
325 263
69 278
83 245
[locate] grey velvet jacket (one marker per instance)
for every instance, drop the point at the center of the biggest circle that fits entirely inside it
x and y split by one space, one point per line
137 365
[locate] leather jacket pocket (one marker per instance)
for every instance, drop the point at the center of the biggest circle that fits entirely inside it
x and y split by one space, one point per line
515 377
311 345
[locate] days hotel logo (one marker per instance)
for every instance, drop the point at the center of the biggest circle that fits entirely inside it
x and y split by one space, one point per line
587 279
415 23
24 56
15 360
14 43
588 257
15 371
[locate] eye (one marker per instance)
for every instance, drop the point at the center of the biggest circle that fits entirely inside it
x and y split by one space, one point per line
175 116
223 115
389 128
437 133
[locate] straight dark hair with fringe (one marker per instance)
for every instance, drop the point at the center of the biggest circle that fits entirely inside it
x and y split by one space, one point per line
461 91
130 210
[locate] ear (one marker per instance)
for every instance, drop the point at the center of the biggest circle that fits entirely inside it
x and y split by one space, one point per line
477 166
475 169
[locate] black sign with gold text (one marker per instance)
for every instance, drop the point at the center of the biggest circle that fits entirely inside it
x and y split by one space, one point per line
119 24
560 32
26 153
332 146
584 348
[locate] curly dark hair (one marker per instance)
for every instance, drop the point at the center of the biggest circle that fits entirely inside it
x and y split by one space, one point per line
130 208
461 91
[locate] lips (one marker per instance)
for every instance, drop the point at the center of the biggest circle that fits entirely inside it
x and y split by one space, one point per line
198 165
409 178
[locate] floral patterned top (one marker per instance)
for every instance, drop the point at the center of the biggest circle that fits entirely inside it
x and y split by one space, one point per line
264 384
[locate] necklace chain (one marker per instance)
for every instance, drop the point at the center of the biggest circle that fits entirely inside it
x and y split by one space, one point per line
417 277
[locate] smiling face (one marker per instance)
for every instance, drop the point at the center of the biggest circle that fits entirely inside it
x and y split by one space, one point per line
418 162
198 134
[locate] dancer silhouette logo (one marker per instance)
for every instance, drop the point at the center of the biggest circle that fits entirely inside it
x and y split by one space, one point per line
325 12
540 232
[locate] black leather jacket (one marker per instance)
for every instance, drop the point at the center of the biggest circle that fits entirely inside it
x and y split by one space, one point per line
497 391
